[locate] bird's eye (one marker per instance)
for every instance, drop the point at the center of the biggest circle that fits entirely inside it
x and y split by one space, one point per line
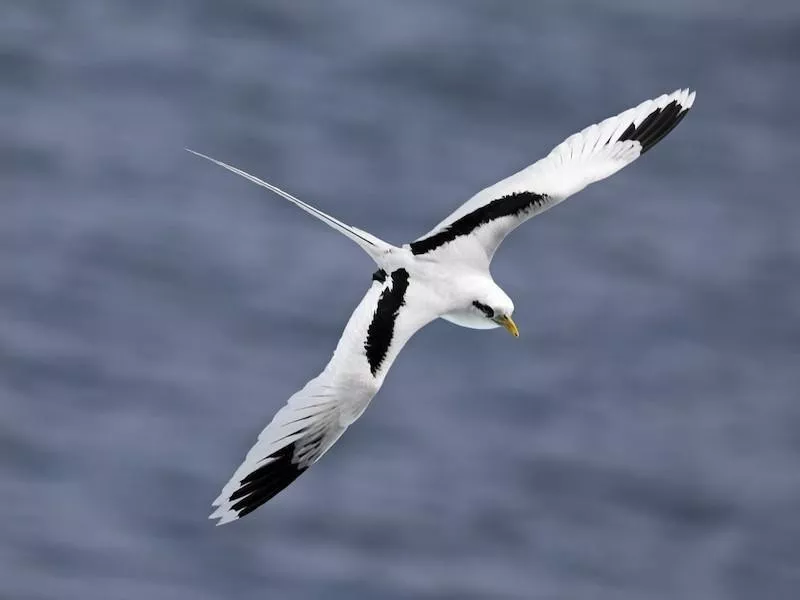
487 310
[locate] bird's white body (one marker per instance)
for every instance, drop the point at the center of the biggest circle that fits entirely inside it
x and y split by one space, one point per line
444 274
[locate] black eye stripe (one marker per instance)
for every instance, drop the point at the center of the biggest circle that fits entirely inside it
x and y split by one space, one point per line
487 310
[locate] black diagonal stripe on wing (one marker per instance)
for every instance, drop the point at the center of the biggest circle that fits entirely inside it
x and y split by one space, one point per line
381 329
655 125
507 206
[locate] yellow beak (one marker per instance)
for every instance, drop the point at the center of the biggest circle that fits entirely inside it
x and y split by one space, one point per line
509 324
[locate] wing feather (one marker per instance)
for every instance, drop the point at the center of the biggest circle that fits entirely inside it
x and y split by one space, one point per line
317 415
474 230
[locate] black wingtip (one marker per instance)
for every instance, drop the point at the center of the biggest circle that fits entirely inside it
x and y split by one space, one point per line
265 482
655 126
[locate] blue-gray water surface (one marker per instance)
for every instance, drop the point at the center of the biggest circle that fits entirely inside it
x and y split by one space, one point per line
641 440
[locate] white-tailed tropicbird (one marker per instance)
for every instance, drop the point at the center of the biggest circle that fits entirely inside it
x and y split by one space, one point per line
445 273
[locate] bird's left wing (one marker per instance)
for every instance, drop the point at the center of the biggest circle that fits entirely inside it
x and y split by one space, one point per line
392 310
475 230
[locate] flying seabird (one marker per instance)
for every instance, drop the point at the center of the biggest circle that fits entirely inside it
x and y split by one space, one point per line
443 274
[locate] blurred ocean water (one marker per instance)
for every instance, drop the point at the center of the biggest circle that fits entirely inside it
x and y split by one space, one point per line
640 440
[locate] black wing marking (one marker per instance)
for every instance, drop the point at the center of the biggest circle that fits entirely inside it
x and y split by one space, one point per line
267 480
381 329
655 125
511 205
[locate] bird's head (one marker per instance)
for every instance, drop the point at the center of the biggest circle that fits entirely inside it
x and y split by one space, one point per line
481 304
495 308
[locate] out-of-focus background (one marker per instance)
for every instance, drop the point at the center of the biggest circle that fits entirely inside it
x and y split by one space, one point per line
640 440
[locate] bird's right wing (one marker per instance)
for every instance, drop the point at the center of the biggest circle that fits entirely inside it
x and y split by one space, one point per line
302 431
473 231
